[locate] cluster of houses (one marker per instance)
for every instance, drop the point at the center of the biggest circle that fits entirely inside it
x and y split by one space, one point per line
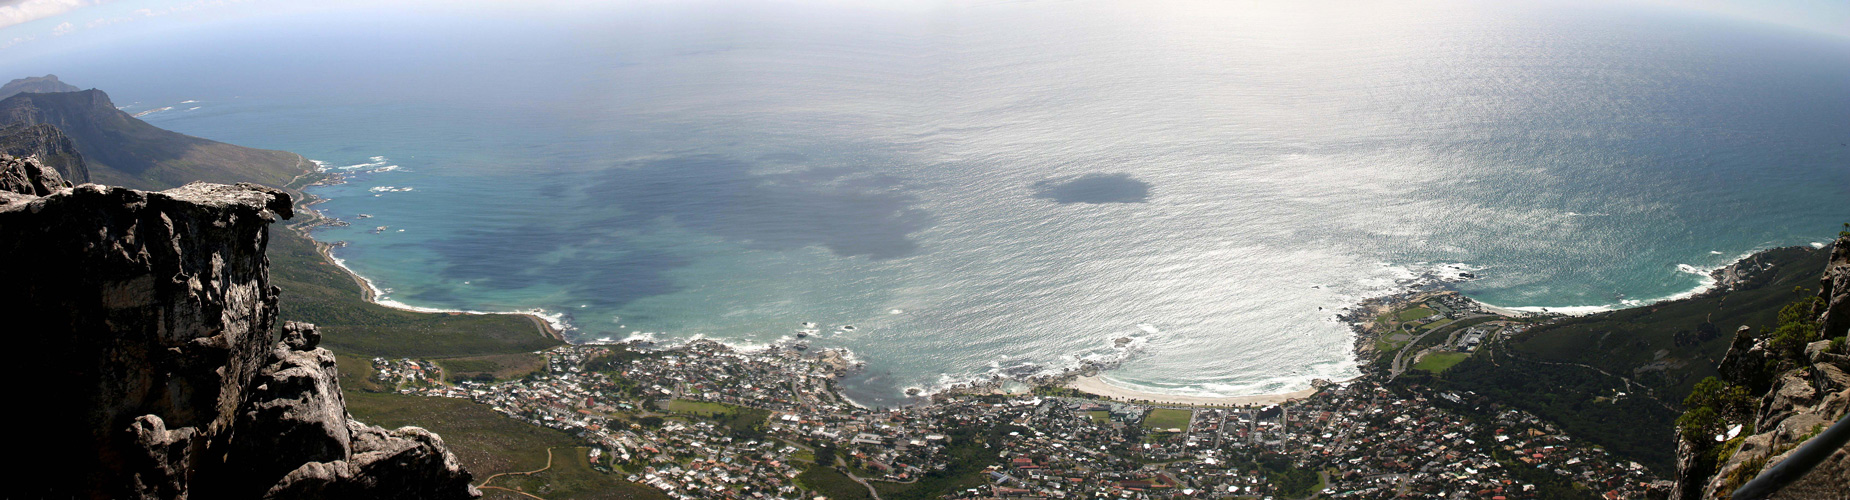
778 378
671 419
894 446
1362 441
620 401
699 460
407 375
1453 305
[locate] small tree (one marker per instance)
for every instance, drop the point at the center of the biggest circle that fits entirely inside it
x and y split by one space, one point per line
1699 424
1797 327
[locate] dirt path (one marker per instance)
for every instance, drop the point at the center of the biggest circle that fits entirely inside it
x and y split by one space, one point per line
485 482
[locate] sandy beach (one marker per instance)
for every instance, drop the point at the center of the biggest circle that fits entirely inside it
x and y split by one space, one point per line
1097 386
370 293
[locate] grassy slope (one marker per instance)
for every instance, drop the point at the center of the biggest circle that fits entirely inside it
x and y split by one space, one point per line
487 443
1620 341
571 477
1415 313
699 407
827 481
501 366
1439 361
1537 371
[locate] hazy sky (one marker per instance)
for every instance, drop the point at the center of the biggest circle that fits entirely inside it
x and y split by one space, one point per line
47 24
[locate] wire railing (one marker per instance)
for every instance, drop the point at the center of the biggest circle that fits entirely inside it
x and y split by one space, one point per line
1796 465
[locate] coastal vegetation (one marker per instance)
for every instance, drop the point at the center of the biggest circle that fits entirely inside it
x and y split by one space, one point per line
1612 378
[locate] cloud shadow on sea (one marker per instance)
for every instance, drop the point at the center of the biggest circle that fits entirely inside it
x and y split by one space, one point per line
851 213
1094 188
595 248
518 257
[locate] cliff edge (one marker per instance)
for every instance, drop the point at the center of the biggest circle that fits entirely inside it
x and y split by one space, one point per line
50 146
1778 389
146 362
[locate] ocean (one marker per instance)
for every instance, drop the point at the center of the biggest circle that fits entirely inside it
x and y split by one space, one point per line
1008 188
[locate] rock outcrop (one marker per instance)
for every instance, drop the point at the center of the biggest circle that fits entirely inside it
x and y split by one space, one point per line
146 363
1798 402
28 176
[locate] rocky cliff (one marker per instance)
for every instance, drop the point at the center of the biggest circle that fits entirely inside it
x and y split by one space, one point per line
1787 393
145 362
51 147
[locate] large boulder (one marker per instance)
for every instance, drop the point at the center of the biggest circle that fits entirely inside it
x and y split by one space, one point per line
28 176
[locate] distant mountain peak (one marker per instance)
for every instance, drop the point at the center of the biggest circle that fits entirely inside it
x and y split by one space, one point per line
36 84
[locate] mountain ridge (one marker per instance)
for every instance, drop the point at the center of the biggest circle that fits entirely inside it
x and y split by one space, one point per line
119 149
38 84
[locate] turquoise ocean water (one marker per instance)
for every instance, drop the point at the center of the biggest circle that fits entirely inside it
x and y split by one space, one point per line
1006 188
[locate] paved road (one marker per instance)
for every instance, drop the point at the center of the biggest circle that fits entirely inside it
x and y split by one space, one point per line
844 470
1400 357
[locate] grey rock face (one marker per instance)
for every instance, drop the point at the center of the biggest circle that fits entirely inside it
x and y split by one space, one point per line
1798 403
1744 357
28 176
293 404
405 463
145 362
1834 288
51 147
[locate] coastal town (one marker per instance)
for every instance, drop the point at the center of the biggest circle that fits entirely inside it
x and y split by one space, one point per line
703 420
